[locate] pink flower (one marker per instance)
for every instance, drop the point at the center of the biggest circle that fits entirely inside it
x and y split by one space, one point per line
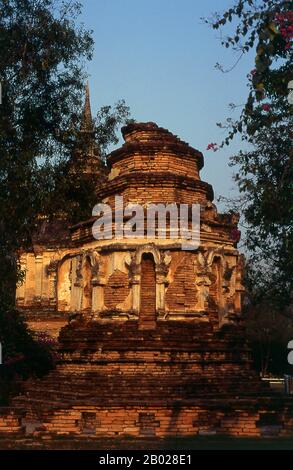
284 21
266 107
235 234
253 72
212 146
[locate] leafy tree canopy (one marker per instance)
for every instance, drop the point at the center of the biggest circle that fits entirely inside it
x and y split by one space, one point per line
264 170
44 50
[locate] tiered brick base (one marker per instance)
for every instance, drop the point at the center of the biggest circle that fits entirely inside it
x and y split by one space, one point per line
46 320
179 379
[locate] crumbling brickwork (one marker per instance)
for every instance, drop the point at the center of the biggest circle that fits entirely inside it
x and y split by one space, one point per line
116 289
158 345
181 293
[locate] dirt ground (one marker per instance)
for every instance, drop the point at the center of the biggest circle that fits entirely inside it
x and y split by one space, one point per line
193 443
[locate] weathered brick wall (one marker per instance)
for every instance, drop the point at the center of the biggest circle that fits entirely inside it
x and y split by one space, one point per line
38 287
48 321
164 189
153 421
177 379
215 287
155 166
116 290
10 422
181 295
163 420
159 161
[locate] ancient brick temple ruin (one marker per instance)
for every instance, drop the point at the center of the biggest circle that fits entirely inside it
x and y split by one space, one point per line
156 345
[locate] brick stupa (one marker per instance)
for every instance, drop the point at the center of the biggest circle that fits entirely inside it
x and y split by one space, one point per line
156 346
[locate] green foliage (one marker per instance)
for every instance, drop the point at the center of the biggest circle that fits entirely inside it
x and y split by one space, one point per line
41 63
41 71
269 334
42 52
72 185
265 169
258 26
264 177
22 355
108 122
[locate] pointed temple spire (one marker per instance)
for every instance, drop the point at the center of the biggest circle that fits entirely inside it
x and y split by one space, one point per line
87 155
87 120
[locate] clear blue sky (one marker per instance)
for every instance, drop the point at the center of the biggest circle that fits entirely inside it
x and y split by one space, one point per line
160 57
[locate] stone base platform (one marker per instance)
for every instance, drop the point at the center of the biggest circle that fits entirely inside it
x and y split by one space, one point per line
42 319
179 379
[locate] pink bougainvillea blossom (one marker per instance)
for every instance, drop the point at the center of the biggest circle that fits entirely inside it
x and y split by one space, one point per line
266 107
212 146
235 234
285 25
45 339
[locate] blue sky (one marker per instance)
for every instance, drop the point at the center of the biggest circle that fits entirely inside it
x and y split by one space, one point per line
160 57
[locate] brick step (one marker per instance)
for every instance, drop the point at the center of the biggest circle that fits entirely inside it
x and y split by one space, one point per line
165 332
73 378
124 386
147 396
107 365
139 381
192 331
40 407
110 346
108 373
77 381
97 378
118 388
